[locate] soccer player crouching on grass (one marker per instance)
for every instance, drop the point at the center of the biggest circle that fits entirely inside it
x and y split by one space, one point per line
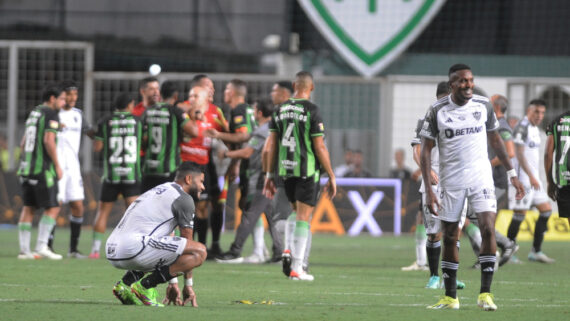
463 125
142 241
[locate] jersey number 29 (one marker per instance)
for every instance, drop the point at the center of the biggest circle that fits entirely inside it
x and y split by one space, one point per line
128 144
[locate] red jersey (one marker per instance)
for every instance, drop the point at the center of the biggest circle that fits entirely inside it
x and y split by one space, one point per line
197 149
139 109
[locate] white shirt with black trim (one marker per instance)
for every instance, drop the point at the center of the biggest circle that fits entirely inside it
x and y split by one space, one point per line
461 136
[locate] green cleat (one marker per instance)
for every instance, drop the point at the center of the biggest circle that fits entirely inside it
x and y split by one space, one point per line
460 285
147 296
485 301
124 294
445 303
433 282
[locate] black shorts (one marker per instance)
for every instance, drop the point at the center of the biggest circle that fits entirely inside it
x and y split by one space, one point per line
40 191
304 190
110 192
151 181
211 187
564 201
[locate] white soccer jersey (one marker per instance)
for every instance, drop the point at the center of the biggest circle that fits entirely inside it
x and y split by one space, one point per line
461 136
434 152
156 213
528 135
69 137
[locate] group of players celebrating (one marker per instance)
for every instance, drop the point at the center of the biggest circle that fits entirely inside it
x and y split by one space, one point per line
162 149
158 156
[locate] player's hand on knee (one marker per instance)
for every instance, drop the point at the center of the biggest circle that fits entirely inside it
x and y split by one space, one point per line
189 296
172 295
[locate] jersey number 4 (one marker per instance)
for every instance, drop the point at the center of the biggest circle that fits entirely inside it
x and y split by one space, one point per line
287 140
124 149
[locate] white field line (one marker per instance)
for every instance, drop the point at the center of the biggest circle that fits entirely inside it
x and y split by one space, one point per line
47 285
59 301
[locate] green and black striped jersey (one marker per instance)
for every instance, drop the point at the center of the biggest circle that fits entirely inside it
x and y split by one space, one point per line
296 122
163 125
560 130
121 133
35 159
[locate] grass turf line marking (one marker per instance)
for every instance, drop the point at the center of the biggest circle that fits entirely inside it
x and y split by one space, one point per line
48 285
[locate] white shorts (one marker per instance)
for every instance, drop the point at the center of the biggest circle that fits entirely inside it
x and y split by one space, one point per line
70 186
127 253
433 223
531 198
454 202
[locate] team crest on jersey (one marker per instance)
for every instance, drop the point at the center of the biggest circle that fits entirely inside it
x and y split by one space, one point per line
321 127
238 119
477 115
53 124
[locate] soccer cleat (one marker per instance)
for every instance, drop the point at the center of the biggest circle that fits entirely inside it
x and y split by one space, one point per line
229 258
515 260
445 303
26 256
147 296
508 253
76 255
433 282
286 256
485 302
125 295
415 267
254 259
460 285
94 255
539 257
45 252
301 276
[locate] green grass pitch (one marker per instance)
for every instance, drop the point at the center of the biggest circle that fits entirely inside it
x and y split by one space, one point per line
355 279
